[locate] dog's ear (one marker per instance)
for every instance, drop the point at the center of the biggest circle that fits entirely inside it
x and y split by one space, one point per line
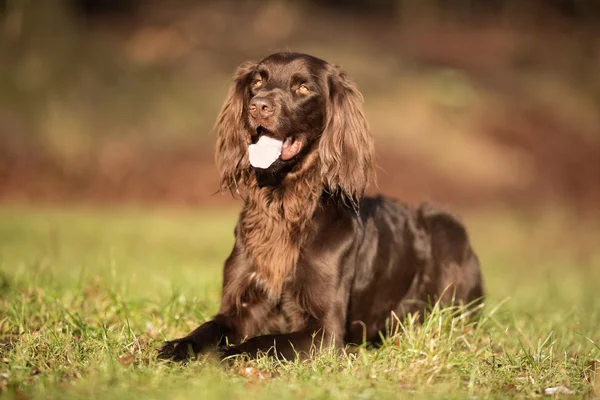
346 147
232 138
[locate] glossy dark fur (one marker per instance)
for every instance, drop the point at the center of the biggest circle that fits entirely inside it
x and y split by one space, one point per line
333 266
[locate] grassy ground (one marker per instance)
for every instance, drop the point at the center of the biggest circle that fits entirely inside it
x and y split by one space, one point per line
87 296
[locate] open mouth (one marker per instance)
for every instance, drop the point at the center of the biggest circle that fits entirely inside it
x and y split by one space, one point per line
268 149
291 147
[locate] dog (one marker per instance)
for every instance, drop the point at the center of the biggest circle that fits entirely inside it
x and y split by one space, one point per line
315 262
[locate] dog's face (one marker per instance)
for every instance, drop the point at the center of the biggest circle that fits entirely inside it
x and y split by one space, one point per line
286 101
305 106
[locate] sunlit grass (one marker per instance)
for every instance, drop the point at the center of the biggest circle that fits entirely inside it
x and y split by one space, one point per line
87 296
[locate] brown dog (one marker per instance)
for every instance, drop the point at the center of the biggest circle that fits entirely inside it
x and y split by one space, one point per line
315 262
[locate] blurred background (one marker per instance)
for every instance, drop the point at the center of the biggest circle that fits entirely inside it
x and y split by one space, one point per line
473 104
112 236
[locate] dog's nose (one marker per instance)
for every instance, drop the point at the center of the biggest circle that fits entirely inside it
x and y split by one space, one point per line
261 107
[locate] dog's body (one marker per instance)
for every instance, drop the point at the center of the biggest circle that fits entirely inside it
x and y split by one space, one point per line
315 262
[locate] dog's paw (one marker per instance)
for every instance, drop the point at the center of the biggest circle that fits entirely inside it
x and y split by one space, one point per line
179 350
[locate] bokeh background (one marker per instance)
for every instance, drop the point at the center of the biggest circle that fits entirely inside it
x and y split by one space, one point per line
112 238
472 103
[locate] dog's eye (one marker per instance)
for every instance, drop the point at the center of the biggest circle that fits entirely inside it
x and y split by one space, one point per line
257 83
303 89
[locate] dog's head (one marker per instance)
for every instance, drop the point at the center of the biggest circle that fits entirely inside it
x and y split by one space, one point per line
311 114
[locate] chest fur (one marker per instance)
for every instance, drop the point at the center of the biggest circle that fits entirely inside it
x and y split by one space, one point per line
273 231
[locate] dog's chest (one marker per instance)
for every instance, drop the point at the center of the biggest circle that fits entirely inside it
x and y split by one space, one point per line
265 315
272 247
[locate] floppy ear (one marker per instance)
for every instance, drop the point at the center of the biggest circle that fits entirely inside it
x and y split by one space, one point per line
232 138
346 147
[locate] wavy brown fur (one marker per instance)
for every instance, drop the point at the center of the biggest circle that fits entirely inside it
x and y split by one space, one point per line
274 225
315 263
274 220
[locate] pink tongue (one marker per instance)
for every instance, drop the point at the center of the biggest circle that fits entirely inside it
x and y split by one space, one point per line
265 152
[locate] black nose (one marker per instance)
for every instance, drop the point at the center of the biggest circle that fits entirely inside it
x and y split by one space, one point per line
261 107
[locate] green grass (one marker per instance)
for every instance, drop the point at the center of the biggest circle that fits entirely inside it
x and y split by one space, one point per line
87 296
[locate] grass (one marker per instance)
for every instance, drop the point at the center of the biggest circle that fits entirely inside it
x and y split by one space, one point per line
86 296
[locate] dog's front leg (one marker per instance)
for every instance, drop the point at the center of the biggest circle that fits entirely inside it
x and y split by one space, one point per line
209 334
286 345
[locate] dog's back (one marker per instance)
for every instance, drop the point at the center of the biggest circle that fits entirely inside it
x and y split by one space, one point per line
409 259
